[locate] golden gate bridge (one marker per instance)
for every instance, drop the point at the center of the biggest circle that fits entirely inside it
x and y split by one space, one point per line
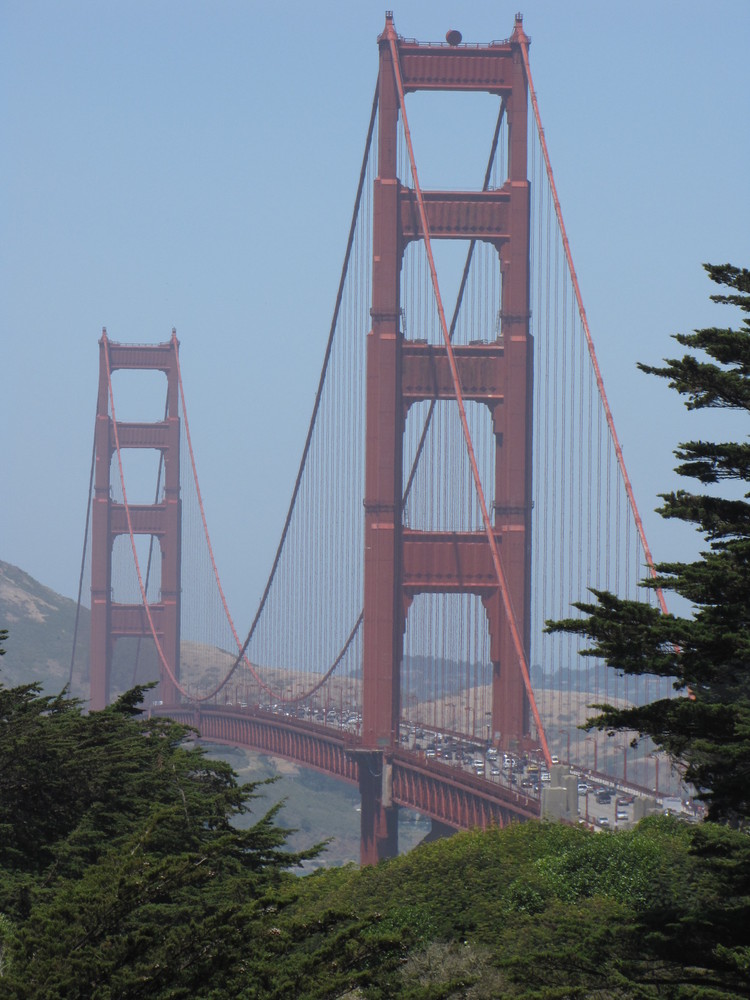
461 483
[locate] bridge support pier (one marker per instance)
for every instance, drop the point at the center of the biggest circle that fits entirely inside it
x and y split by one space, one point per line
438 830
379 816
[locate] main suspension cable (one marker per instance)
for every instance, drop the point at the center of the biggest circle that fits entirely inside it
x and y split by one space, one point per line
316 407
161 469
83 563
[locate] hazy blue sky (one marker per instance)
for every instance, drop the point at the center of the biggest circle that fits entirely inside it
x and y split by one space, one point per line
193 164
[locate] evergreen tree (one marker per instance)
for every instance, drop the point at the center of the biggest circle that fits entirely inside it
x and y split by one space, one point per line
706 727
122 871
127 879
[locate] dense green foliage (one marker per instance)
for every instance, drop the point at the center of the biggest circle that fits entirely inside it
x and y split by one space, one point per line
123 874
707 730
535 910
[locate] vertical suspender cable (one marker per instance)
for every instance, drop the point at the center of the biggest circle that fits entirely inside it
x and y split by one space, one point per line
83 565
587 332
316 407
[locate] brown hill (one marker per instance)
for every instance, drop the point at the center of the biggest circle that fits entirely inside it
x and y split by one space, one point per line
41 624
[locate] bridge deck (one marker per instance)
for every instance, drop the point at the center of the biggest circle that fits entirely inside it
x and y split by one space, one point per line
445 792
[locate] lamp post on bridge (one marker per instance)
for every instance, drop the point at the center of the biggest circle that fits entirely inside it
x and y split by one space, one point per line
452 706
566 733
624 748
655 758
592 739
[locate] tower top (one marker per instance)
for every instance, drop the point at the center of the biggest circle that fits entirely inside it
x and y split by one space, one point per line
519 35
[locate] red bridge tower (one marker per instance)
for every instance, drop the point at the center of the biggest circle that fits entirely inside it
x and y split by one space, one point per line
110 620
401 562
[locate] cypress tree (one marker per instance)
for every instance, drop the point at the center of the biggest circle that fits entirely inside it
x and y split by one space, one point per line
706 727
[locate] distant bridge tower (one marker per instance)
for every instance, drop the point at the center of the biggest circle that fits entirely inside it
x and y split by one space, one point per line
401 562
111 621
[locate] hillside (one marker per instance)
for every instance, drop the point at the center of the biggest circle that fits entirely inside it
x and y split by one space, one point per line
40 625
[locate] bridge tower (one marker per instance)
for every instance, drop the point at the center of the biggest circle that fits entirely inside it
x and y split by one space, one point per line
401 562
111 621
